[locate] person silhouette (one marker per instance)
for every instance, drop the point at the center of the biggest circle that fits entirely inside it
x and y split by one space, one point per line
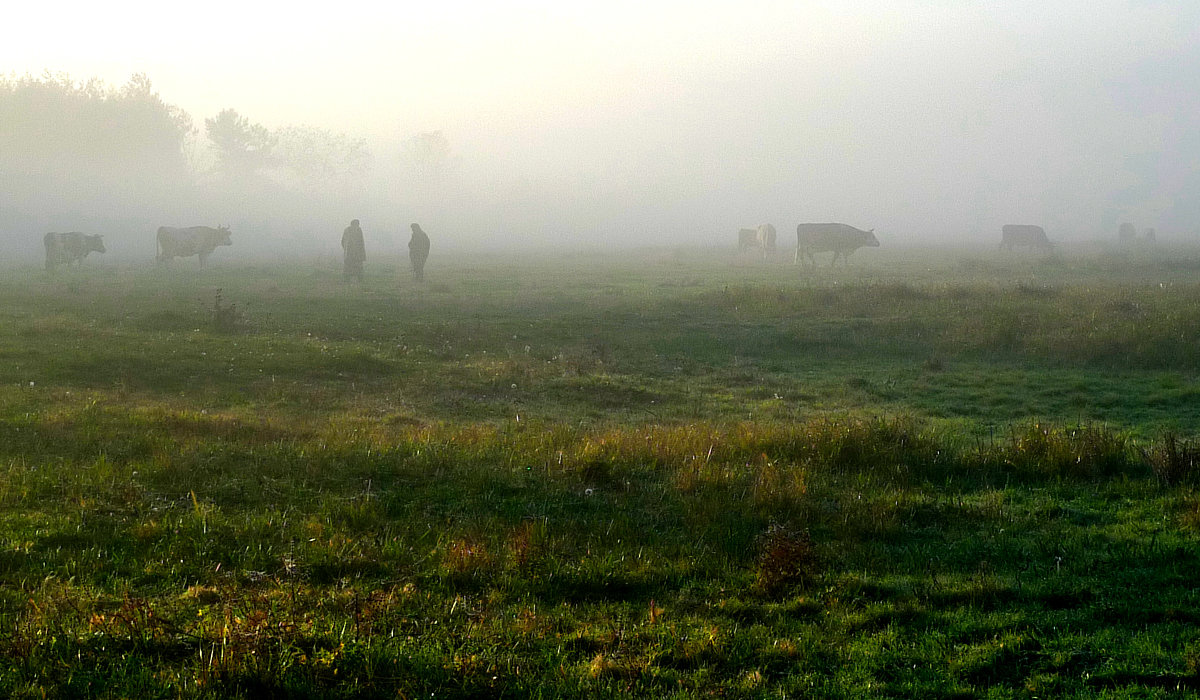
354 251
418 252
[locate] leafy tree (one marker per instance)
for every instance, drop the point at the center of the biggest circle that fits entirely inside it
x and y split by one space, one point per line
84 146
53 124
243 148
313 155
427 156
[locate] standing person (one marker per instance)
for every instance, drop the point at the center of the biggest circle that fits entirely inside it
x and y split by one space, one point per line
418 251
354 250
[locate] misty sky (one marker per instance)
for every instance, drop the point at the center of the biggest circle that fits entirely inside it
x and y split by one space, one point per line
681 121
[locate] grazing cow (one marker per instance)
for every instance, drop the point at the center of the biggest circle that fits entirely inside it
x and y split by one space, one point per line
418 252
762 237
1126 233
840 239
1013 235
73 247
194 240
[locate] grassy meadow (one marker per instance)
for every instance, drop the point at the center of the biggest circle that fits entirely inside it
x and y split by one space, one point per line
665 473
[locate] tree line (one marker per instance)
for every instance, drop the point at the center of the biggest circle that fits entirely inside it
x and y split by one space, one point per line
54 125
73 150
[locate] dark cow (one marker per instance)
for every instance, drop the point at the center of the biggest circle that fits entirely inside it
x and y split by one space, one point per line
840 239
1126 232
1151 236
73 247
747 239
194 240
1024 235
418 252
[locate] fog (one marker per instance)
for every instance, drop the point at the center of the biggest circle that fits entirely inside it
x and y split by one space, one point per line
598 125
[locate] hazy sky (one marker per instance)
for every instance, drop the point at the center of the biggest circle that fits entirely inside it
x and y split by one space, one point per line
689 119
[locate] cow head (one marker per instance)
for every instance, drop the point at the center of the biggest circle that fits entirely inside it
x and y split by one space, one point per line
94 242
870 240
222 237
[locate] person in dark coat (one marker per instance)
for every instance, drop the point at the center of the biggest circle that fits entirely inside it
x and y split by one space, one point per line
418 251
355 251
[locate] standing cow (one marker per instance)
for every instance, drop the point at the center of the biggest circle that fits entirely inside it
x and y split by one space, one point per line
766 238
194 240
418 252
1024 235
1126 232
747 239
72 247
840 239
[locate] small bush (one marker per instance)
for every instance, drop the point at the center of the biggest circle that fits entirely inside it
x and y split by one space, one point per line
786 557
225 318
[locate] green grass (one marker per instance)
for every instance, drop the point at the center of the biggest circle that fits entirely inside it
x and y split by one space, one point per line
933 474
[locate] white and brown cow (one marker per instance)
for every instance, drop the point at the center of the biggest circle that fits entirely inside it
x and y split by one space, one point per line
194 240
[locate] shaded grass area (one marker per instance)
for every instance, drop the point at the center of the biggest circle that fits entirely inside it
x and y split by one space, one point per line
662 479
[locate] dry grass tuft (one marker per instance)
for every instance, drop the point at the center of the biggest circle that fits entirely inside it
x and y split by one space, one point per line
467 556
1174 461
